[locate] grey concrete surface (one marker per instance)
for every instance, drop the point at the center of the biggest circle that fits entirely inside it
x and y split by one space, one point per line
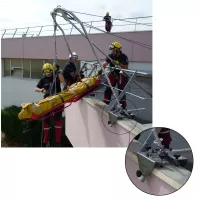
15 91
141 66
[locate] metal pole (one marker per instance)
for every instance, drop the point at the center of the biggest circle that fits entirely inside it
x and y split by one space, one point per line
124 90
157 138
27 30
14 32
146 141
181 150
53 16
129 93
3 34
10 66
2 67
40 31
30 67
135 24
90 27
71 30
22 63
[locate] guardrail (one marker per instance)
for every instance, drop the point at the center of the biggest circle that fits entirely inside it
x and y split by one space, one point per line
114 110
119 25
89 69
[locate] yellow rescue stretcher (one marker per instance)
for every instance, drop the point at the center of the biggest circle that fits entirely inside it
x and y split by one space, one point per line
76 91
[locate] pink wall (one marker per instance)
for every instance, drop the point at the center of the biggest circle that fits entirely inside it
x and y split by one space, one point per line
152 185
43 47
84 127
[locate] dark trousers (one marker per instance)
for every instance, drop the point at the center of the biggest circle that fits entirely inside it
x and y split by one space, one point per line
116 79
108 26
58 125
166 136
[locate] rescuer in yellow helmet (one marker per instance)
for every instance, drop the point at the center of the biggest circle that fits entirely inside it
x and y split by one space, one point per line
50 85
115 77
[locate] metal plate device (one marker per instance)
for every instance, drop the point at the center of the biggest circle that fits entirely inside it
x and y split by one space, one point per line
153 155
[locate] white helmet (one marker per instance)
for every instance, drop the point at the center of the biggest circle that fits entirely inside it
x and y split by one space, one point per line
74 54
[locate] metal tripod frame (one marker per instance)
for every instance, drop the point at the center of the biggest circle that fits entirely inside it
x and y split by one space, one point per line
70 16
115 110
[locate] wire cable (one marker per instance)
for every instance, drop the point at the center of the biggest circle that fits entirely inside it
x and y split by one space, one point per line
132 41
112 18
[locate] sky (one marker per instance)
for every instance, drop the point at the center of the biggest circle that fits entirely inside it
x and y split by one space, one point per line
26 13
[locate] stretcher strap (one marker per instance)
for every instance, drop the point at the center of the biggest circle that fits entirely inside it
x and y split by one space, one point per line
87 85
61 98
34 117
71 89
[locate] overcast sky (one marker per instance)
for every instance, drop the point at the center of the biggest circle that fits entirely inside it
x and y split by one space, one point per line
26 13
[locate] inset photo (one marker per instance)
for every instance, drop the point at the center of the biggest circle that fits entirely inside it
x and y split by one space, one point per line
159 161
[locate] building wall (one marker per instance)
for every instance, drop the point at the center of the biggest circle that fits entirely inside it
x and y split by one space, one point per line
44 47
27 68
31 68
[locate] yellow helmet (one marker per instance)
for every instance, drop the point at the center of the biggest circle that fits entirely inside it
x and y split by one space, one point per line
115 45
48 68
107 13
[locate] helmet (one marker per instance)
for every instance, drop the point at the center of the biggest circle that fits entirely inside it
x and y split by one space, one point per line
48 68
115 45
107 13
74 55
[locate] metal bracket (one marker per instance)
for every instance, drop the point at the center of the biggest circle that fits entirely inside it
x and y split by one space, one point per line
146 166
147 161
112 118
149 157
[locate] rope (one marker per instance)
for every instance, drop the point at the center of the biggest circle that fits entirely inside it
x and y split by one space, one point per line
55 61
55 27
42 133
